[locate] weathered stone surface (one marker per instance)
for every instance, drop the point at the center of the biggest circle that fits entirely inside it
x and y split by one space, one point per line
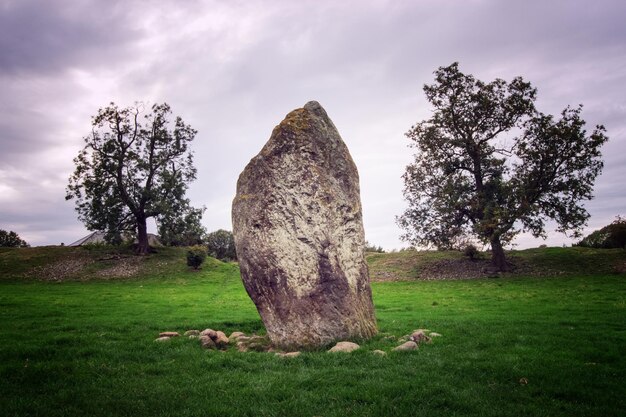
298 231
410 345
344 347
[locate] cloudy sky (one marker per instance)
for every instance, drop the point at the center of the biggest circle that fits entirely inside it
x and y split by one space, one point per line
233 69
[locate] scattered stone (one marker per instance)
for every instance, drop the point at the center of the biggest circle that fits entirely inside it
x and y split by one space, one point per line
192 333
242 347
433 334
419 336
169 334
258 339
220 340
379 352
209 332
194 336
298 231
257 347
344 347
234 336
162 339
288 354
410 345
207 342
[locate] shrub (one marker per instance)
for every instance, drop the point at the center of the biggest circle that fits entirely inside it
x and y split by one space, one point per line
471 252
196 256
221 245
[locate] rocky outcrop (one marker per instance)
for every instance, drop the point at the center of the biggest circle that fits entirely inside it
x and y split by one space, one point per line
299 237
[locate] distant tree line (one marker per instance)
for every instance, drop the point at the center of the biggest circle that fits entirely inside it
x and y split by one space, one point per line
609 237
11 240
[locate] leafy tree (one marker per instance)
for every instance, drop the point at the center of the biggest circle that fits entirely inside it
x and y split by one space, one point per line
183 230
488 164
11 240
609 237
134 166
221 245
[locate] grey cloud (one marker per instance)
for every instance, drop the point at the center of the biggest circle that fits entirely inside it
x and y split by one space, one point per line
233 70
50 36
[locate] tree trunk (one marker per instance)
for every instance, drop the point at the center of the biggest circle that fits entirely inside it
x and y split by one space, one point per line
142 237
498 259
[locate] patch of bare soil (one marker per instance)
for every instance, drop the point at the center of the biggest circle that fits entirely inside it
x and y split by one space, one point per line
84 267
61 270
120 267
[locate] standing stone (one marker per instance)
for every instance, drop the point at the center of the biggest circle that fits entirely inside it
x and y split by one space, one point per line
299 237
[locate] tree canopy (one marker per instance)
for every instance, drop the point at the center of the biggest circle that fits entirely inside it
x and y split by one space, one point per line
221 245
182 230
136 164
609 237
489 165
11 240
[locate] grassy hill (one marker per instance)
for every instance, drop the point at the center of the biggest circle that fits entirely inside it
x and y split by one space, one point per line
434 265
80 340
101 262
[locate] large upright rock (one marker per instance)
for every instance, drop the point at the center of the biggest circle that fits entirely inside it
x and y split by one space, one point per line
299 235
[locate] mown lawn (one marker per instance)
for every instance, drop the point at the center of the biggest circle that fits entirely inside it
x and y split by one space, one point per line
87 349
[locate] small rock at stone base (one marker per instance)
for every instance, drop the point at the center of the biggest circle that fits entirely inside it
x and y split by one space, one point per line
257 338
410 345
433 334
379 352
194 336
257 347
344 347
169 334
209 332
207 342
419 337
220 339
162 339
242 347
234 336
288 354
192 332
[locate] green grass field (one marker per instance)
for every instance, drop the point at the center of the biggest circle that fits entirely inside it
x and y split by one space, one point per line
85 347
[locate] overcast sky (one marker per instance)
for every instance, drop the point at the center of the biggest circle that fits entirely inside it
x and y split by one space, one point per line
234 69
